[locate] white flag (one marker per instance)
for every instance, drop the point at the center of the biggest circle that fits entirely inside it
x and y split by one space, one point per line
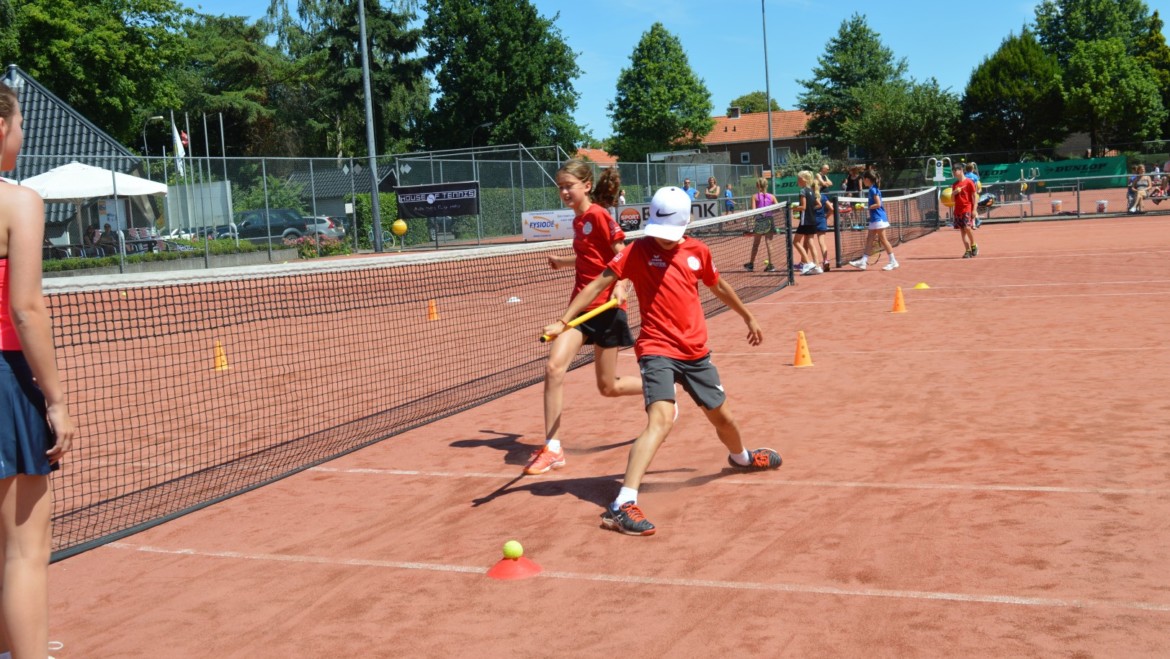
180 152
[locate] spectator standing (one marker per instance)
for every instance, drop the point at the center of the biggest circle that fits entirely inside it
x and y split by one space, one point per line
763 226
36 429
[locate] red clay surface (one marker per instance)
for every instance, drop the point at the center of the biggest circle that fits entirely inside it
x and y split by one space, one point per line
984 475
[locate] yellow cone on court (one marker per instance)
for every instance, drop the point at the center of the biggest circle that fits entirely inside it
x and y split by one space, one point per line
432 311
221 363
899 303
802 358
921 285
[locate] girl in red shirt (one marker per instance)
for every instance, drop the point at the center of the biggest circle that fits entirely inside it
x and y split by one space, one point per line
596 239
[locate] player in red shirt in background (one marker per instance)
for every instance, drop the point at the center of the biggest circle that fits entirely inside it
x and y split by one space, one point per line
596 238
665 268
964 194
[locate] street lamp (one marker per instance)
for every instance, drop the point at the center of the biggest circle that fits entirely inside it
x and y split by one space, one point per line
768 94
145 148
483 125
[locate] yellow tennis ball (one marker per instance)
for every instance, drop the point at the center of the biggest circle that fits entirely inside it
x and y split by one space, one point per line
859 205
513 550
123 293
399 227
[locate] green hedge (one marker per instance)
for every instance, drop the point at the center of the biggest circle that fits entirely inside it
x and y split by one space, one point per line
216 247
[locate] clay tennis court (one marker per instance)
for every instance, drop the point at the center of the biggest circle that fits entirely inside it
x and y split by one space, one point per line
984 475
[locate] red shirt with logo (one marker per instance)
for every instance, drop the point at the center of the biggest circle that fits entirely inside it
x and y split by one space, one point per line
963 193
594 233
667 284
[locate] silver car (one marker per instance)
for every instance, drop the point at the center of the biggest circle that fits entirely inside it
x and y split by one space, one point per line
326 227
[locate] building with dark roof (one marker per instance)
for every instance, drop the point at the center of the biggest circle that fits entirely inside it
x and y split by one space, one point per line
56 134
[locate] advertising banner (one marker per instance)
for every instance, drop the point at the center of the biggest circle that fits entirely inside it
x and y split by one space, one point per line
438 199
558 224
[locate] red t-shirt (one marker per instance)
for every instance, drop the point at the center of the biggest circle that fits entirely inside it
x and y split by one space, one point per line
963 193
667 284
594 233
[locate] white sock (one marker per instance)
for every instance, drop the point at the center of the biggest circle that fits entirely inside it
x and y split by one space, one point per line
553 445
892 259
626 495
742 459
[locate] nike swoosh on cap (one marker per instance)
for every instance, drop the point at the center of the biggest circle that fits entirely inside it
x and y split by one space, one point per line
659 213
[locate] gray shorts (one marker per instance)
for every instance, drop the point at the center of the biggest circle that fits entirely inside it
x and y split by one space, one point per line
698 377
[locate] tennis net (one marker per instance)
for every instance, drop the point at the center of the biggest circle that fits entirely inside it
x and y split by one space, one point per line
192 387
911 216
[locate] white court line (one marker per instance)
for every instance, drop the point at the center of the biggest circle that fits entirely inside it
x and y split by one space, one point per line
926 298
772 481
801 589
948 351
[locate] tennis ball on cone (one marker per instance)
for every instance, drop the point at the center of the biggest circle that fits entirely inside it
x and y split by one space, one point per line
513 550
399 227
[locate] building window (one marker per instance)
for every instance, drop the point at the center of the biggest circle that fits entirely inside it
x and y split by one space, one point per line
781 155
745 157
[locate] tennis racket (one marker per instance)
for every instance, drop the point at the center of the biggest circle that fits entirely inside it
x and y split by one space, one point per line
584 317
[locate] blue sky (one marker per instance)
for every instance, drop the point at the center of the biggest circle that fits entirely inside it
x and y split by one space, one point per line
723 40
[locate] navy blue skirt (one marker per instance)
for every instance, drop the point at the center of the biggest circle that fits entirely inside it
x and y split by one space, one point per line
24 432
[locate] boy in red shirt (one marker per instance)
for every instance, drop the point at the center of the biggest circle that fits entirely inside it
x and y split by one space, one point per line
964 194
665 268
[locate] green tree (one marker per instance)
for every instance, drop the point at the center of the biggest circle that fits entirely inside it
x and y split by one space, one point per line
902 119
660 104
105 58
9 39
325 91
1062 24
230 69
1013 102
753 102
854 57
1111 95
503 74
1152 49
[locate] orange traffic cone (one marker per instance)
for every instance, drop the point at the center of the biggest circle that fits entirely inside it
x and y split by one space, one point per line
802 358
432 311
221 363
899 303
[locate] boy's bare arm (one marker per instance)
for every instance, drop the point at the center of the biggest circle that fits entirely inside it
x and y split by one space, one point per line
728 296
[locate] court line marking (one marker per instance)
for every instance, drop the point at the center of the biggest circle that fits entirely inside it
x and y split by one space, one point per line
800 589
941 350
965 298
961 487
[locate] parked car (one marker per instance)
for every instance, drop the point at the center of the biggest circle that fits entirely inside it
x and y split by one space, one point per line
220 231
325 226
282 223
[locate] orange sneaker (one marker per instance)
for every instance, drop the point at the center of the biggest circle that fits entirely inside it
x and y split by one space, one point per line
543 460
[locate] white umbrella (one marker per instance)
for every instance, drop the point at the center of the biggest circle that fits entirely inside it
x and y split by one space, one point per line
78 181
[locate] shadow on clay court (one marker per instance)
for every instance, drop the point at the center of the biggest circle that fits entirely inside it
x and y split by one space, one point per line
517 453
598 490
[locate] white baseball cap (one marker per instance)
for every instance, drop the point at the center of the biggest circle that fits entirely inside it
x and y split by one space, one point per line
670 212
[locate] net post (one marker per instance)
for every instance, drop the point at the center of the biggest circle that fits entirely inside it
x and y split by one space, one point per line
788 242
837 231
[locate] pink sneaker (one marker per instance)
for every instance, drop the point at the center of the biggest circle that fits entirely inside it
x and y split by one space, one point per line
543 460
